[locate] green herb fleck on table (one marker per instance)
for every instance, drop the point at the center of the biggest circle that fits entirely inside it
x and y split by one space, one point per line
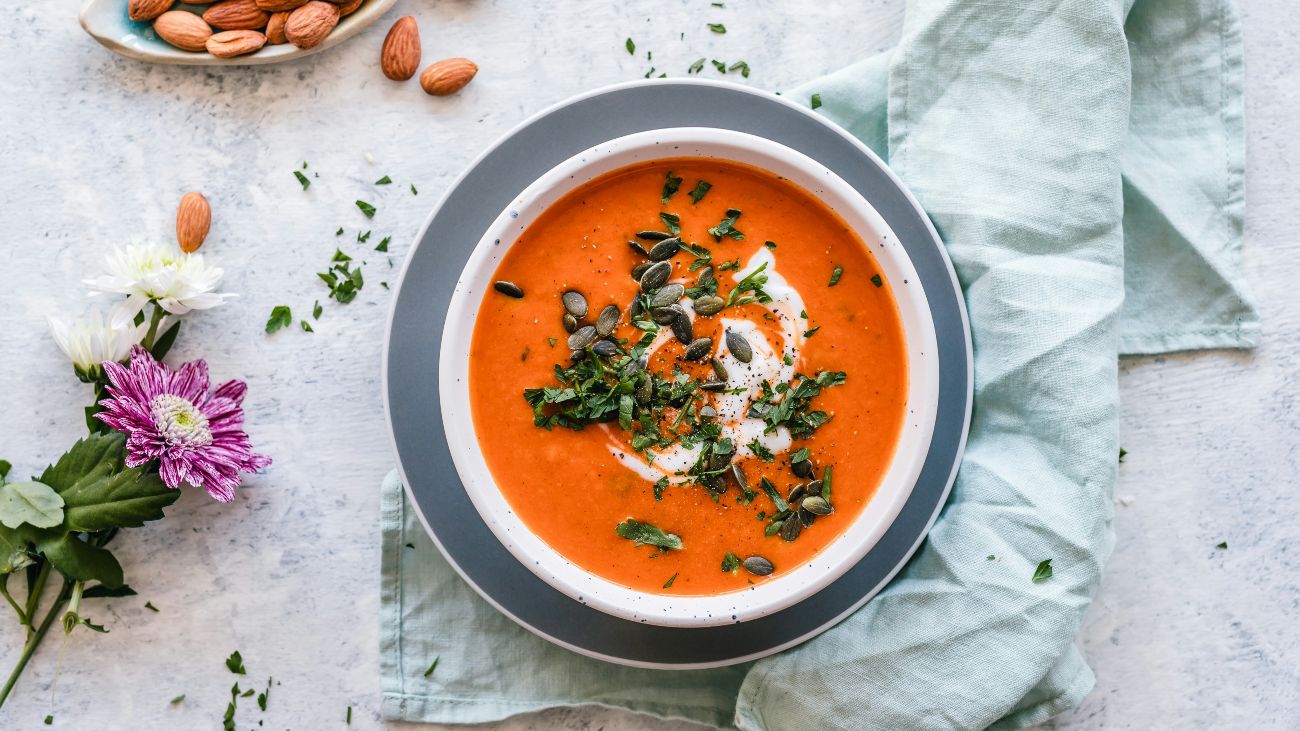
645 534
49 720
432 666
630 46
302 179
413 190
717 27
991 557
383 245
816 101
1043 572
719 65
384 181
178 700
236 663
280 317
366 208
1222 546
316 309
306 326
264 696
742 66
697 66
339 232
349 717
1122 454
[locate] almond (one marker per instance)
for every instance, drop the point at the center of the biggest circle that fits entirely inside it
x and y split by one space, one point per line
307 26
279 6
447 76
193 218
186 31
235 15
349 8
275 29
147 9
230 43
400 56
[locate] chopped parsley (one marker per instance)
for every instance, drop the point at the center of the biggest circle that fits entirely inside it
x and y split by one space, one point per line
630 46
1222 546
316 309
670 581
383 245
836 274
433 666
302 179
384 181
730 562
811 331
727 227
816 101
366 208
719 65
672 221
876 280
761 451
701 189
150 606
750 289
413 190
671 184
306 326
741 66
280 317
696 67
645 534
1043 572
235 663
717 27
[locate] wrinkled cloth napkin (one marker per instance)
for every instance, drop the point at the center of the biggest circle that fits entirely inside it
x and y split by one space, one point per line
1083 162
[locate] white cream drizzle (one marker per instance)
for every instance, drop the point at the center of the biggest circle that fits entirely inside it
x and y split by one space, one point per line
766 365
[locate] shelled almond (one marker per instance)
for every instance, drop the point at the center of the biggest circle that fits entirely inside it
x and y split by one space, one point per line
230 28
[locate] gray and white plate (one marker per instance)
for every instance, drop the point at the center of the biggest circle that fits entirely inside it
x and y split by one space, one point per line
410 368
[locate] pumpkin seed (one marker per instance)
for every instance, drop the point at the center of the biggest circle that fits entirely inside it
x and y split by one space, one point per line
713 386
582 337
656 276
705 278
719 370
797 492
707 304
791 528
570 323
578 355
758 566
605 348
667 295
634 309
665 249
653 235
639 269
739 347
682 328
632 367
719 461
608 320
698 349
806 518
666 315
638 248
815 487
816 505
738 475
509 289
575 303
708 412
802 469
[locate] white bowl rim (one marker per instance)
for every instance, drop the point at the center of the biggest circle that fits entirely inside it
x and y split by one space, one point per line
837 557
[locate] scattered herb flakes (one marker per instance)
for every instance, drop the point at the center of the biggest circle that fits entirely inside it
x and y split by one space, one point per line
306 326
749 289
672 222
630 46
178 700
730 562
645 534
413 190
1122 454
384 181
150 606
811 331
384 285
228 720
991 557
339 232
316 309
302 179
1043 572
697 66
366 208
727 227
264 696
363 238
1222 546
701 189
304 164
671 184
816 101
826 483
432 666
49 720
717 27
876 280
236 663
349 717
719 65
836 274
761 451
647 75
742 66
660 485
551 342
280 317
670 581
383 245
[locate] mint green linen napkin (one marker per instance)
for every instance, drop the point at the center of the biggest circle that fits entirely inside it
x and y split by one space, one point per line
1082 160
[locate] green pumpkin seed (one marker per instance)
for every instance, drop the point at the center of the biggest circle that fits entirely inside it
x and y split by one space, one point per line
705 278
816 505
719 461
815 487
605 348
638 248
634 308
653 235
575 303
509 289
682 328
758 566
802 469
739 347
708 305
667 295
797 492
708 412
656 276
570 323
806 518
665 249
791 528
639 269
666 315
578 355
608 319
719 370
738 475
713 386
582 337
698 349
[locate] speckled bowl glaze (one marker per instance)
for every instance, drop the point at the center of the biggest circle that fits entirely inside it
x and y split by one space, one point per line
764 597
106 22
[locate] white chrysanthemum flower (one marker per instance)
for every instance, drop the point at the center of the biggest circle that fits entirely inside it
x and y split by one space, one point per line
93 339
177 281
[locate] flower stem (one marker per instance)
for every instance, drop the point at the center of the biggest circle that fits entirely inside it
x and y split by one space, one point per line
34 595
71 619
4 589
153 327
35 640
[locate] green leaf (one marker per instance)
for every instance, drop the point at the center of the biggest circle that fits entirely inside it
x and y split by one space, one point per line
99 493
1043 572
165 341
366 208
33 503
80 561
630 46
432 667
4 469
14 555
280 317
236 663
302 180
816 101
730 562
644 534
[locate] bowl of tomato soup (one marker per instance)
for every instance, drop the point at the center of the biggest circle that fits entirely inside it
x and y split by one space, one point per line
689 377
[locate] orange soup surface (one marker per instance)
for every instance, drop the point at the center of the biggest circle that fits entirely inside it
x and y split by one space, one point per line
658 459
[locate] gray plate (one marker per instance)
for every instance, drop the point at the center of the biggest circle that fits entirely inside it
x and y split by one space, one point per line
415 333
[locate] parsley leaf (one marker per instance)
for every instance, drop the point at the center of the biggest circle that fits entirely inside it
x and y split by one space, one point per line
836 274
672 221
670 581
1043 572
727 227
366 208
717 27
280 317
630 46
384 181
730 562
432 667
701 188
696 67
644 534
876 280
816 101
302 179
236 663
671 184
742 66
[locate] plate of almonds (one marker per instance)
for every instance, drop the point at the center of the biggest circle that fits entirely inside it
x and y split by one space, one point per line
226 32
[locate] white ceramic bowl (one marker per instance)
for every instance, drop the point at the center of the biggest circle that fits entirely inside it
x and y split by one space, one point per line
106 22
764 597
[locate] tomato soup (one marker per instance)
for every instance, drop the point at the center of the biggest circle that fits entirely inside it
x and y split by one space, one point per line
689 377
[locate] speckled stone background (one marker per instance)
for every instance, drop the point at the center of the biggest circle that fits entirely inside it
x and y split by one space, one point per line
96 150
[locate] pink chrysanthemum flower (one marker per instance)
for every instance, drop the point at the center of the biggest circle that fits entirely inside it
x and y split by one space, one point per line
173 416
